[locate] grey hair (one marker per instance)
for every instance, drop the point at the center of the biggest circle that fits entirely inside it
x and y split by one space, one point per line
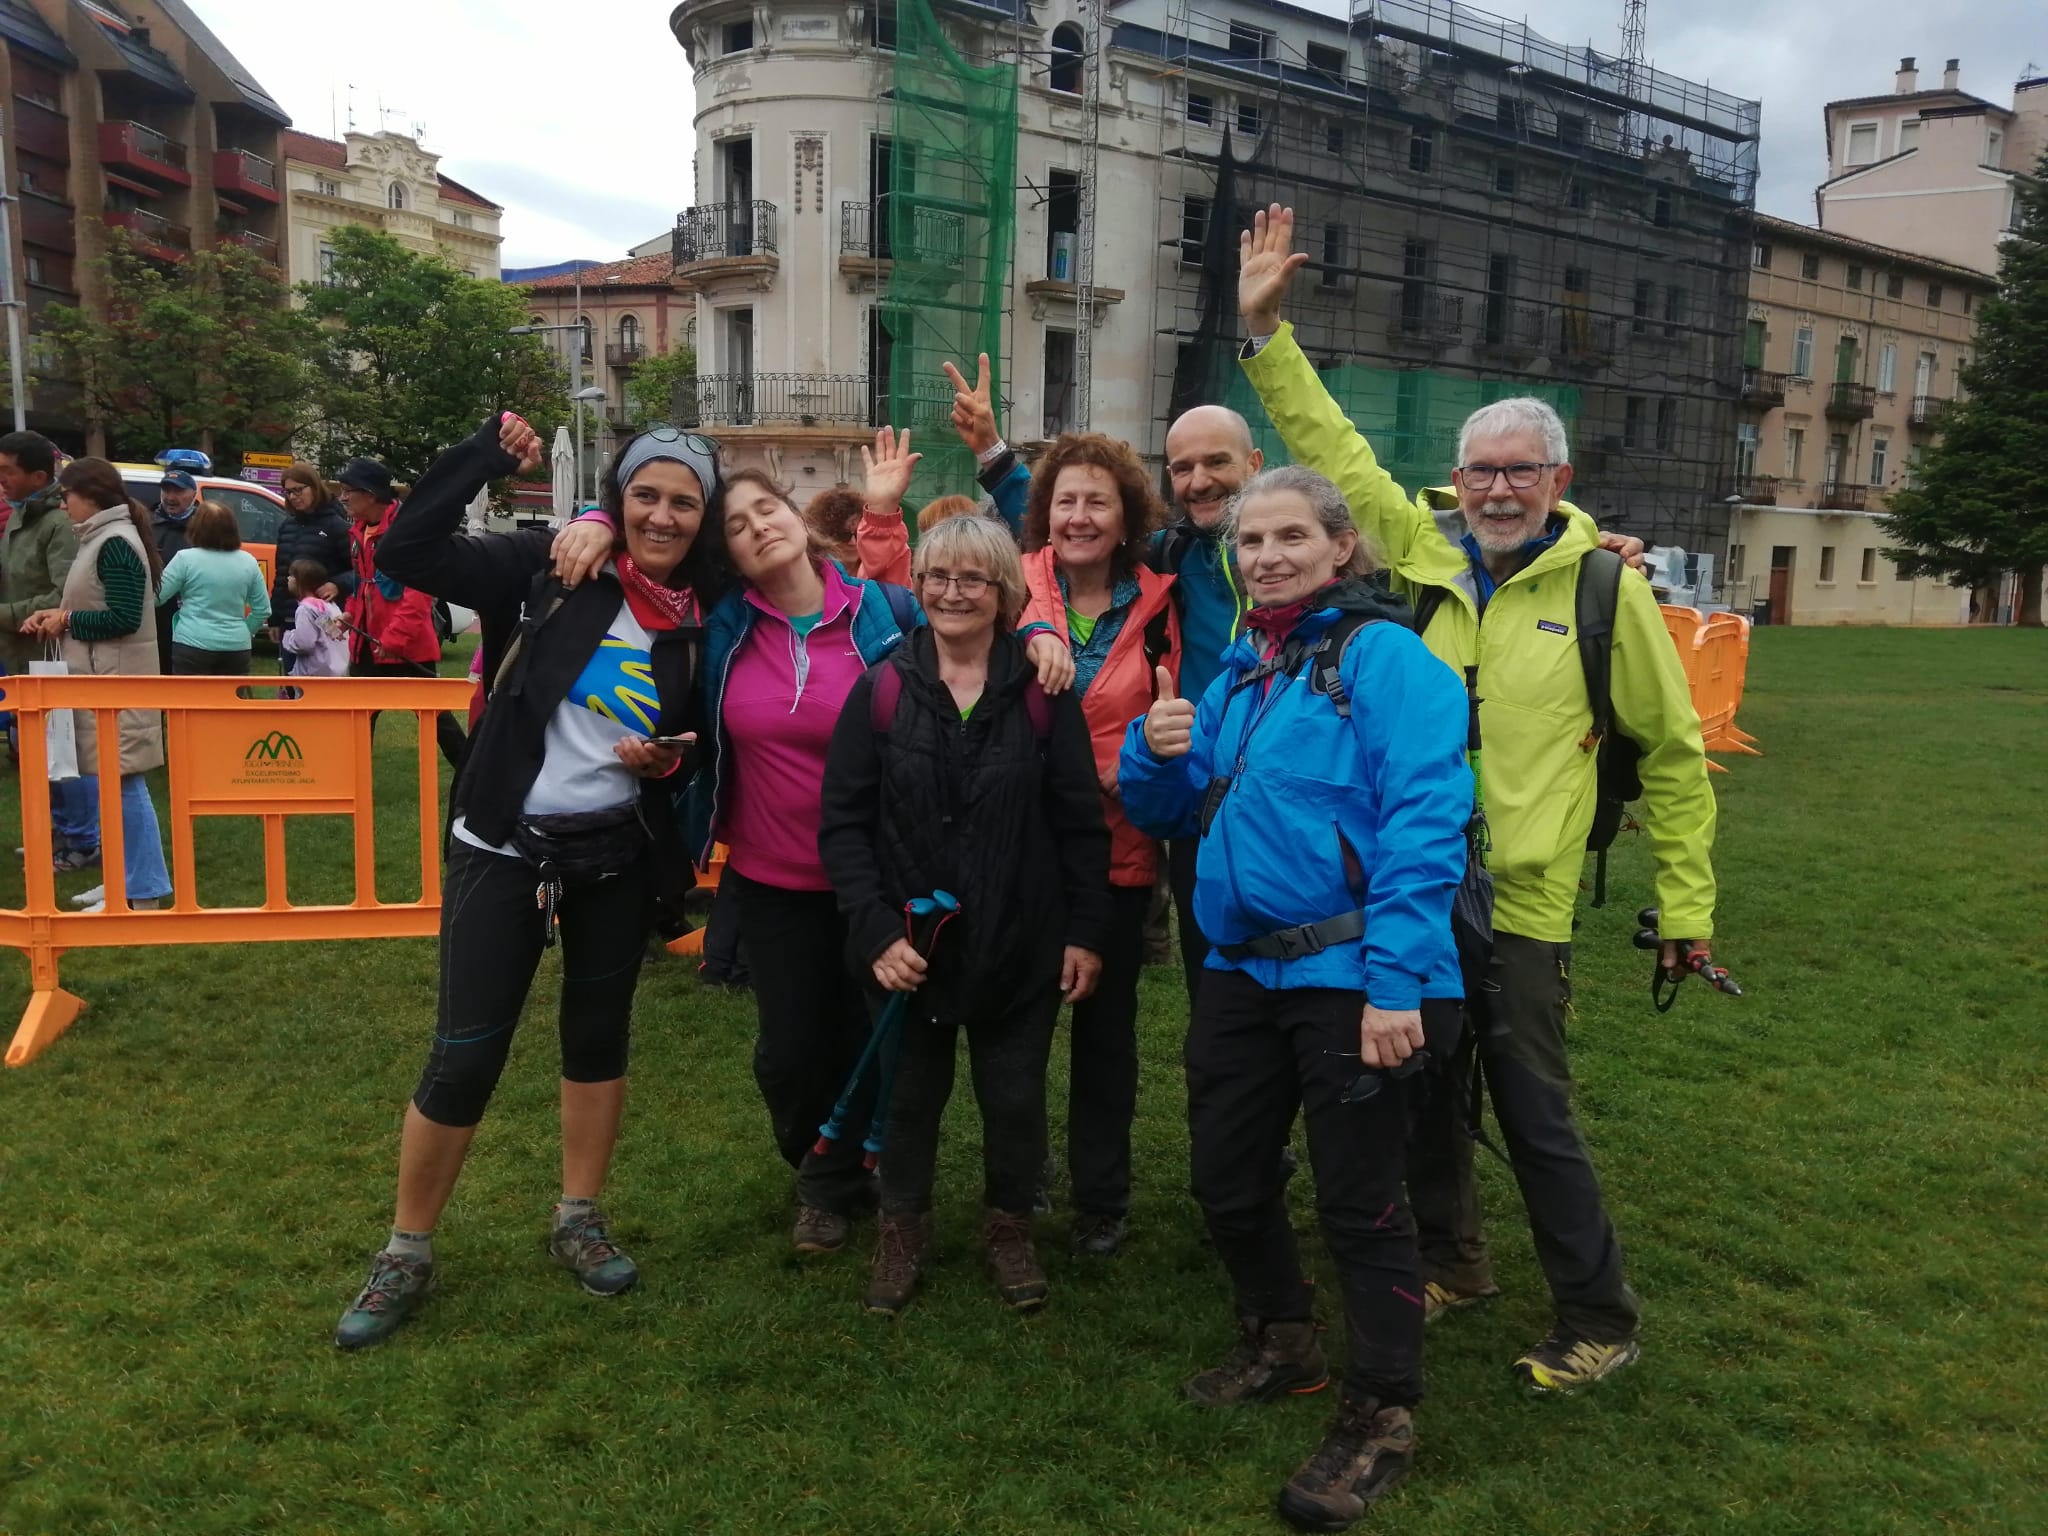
1325 501
980 542
1519 413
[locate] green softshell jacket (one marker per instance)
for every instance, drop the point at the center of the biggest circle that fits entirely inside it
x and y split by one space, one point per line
1538 767
36 550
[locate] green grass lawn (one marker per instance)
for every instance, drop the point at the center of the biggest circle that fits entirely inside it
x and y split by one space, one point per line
1833 1194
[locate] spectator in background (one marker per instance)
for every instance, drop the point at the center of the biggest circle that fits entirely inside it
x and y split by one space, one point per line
834 514
317 643
214 587
170 527
315 528
939 508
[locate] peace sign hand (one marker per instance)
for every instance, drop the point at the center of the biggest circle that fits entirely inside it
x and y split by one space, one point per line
974 412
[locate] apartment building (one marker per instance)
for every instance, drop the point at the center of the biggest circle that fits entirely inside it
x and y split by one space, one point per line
1931 170
383 181
1851 353
124 116
617 313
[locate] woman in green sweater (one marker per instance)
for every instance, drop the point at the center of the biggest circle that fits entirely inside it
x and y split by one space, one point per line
108 626
221 596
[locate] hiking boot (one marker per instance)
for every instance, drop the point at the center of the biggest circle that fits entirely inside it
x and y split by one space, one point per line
1366 1451
1268 1360
582 1244
1437 1299
1565 1362
1019 1280
900 1245
1097 1237
395 1290
819 1231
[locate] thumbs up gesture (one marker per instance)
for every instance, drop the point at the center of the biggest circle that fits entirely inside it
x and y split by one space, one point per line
1170 722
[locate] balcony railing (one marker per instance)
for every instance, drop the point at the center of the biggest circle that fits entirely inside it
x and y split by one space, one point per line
41 130
237 173
779 399
937 236
718 230
1762 388
1842 496
139 147
249 240
624 354
1513 327
1421 313
1758 490
49 222
1583 338
155 234
1926 411
1852 402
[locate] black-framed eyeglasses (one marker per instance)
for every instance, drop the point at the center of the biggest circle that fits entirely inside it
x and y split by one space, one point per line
972 585
1521 477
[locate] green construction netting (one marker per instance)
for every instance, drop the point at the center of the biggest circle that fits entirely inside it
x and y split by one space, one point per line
950 223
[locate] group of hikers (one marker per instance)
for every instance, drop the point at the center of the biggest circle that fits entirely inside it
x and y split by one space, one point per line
1347 721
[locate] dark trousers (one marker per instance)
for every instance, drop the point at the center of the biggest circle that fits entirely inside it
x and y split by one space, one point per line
1180 873
193 661
448 732
491 942
1009 1042
1102 1077
813 1022
1519 1024
1253 1057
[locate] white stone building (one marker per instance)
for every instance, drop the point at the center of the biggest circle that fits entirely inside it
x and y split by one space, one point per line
384 181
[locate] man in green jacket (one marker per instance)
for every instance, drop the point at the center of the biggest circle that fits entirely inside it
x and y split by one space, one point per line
1504 547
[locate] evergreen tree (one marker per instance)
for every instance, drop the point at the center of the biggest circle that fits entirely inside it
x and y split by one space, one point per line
1979 506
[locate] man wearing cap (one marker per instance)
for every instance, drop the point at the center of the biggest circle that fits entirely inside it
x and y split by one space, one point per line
177 496
391 625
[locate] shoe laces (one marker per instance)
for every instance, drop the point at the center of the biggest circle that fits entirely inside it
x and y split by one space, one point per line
388 1274
894 1249
587 1234
1349 1434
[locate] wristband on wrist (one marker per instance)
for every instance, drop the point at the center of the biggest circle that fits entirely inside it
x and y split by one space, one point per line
989 455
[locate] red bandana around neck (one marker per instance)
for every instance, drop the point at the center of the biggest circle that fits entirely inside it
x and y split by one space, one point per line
656 606
1278 623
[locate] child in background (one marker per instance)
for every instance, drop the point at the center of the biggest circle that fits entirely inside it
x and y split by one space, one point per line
317 642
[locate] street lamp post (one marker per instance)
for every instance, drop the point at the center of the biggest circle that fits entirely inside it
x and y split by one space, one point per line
579 395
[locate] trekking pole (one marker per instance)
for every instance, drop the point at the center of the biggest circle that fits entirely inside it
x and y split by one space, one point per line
923 918
1664 980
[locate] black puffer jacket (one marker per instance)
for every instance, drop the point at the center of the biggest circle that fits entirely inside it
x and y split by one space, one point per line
320 535
1009 824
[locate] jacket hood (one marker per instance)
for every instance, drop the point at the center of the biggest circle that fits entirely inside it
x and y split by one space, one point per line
1370 596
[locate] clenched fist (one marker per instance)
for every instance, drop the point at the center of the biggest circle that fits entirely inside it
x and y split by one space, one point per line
1170 722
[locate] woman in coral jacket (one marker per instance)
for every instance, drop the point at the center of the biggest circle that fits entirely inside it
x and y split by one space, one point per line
1092 508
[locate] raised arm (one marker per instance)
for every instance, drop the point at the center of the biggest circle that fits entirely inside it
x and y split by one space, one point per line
425 548
880 538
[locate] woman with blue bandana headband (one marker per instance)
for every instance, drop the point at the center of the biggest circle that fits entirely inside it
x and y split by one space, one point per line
561 818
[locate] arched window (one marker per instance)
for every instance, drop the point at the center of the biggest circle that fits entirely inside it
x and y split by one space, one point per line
1067 43
398 195
583 325
538 321
629 336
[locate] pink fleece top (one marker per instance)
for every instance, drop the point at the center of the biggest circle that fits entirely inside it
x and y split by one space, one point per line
782 699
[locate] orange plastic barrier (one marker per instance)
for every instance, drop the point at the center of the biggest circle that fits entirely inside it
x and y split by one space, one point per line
692 943
1720 663
1683 625
227 756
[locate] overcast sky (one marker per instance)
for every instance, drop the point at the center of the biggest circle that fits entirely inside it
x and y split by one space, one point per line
575 114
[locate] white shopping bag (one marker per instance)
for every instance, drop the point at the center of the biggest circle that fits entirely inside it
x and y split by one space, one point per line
60 739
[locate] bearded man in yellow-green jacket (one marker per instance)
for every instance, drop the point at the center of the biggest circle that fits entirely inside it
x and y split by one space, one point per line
1498 553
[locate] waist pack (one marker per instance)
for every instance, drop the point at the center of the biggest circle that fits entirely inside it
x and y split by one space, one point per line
577 847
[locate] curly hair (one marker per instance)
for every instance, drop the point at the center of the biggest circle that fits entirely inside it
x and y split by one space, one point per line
1142 509
836 515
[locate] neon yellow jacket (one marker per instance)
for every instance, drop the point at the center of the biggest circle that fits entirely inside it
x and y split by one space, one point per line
1537 770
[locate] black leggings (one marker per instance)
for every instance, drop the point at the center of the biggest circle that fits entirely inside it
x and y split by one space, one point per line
1102 1081
491 941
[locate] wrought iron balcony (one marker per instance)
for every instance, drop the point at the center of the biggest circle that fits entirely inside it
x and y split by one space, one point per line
937 236
624 354
1758 490
1852 402
1927 411
1762 388
1843 496
777 399
139 147
717 231
1511 326
1424 315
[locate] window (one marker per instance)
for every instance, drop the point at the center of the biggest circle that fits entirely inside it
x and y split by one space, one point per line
1249 42
1667 424
1868 573
1827 565
1059 381
629 335
1909 134
1571 131
1632 421
1862 144
1500 287
1415 305
1660 211
1250 119
739 36
1327 61
1880 459
329 278
1802 352
1760 256
1899 574
1809 266
1065 74
882 26
1194 229
1333 139
1062 223
1894 286
1994 147
1795 450
1639 308
1755 336
1505 178
1735 554
1887 368
326 187
1934 295
1674 308
1923 373
1578 195
1511 112
1969 302
1748 438
462 221
32 263
1421 150
583 325
1855 275
1333 255
396 196
1201 109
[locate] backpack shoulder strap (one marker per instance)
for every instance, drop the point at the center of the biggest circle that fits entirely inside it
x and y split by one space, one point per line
883 695
1170 550
1038 706
547 595
1427 601
1326 661
1597 596
902 606
1157 639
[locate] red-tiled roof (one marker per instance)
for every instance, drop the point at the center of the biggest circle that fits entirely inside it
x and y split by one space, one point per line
633 272
313 151
455 192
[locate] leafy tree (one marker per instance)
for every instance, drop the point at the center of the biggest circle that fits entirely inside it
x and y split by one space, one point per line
651 387
204 352
1979 506
417 354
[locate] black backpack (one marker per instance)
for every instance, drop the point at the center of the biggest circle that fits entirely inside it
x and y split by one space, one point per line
1619 780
